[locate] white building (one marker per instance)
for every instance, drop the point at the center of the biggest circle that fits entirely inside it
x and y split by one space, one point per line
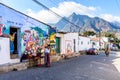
99 42
68 42
71 43
84 43
29 34
4 50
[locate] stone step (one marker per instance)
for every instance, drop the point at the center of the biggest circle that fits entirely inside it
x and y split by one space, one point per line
17 60
13 67
13 56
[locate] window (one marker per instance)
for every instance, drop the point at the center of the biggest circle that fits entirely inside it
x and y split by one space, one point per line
88 42
81 42
93 43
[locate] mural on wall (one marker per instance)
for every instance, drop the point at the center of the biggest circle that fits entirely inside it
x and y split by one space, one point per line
68 46
3 28
34 38
53 40
33 34
52 36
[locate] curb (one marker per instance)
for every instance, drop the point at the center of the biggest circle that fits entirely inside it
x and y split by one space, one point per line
25 65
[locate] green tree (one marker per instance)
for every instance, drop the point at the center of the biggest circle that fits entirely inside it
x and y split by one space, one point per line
110 35
89 33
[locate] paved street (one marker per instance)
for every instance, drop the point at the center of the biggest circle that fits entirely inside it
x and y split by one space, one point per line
86 67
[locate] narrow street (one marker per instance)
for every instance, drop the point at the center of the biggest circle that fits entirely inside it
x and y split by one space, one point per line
86 67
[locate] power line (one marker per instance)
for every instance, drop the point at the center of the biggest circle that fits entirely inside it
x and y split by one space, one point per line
117 4
25 18
70 26
55 2
54 12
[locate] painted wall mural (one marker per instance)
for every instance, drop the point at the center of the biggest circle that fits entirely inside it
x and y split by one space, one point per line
1 26
4 30
53 40
52 36
68 46
32 34
34 38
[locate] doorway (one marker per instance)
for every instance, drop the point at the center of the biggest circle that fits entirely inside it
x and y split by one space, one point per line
57 44
16 42
74 42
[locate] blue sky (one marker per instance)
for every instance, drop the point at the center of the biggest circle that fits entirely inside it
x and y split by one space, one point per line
106 9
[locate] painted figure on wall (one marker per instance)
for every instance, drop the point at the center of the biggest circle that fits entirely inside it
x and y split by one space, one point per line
52 36
2 26
68 46
1 29
53 41
12 37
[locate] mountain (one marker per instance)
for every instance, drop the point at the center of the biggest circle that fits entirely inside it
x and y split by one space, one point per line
76 23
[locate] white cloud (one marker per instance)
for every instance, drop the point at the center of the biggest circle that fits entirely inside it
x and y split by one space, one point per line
110 17
64 9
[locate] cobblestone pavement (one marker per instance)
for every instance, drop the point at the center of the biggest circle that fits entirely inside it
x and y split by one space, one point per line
87 67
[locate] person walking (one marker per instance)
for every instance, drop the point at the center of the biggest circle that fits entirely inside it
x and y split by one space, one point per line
107 50
47 56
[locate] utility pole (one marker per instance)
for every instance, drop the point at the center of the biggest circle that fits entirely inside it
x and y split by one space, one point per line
99 39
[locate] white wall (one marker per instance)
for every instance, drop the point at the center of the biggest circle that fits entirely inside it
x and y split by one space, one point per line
96 45
4 50
66 38
103 41
69 38
84 43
